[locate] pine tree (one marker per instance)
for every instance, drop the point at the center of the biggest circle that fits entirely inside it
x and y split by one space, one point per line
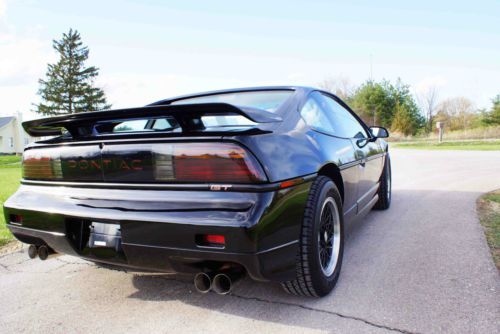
69 86
493 116
402 121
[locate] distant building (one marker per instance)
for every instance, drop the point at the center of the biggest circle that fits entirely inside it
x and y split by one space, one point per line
13 139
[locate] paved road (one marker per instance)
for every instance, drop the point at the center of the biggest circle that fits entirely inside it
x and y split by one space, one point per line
421 267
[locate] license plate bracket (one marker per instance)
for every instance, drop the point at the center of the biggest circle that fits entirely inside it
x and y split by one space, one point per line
105 235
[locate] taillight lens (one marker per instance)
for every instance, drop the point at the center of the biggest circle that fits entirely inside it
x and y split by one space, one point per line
210 240
221 162
138 163
43 164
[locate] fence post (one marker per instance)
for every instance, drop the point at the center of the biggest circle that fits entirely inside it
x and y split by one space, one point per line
440 126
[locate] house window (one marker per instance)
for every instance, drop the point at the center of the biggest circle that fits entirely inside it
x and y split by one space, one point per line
11 142
26 141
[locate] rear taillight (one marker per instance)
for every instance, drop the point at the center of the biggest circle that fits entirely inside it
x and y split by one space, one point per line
210 240
16 219
221 162
137 163
44 164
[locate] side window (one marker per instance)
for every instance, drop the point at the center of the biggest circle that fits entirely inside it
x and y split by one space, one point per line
315 116
164 124
345 123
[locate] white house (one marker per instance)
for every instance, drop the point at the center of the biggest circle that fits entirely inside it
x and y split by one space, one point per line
13 139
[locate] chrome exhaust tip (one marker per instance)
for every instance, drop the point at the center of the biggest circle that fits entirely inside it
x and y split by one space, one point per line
44 252
32 251
222 284
202 282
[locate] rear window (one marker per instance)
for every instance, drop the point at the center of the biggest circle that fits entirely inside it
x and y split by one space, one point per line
269 100
141 125
170 124
131 126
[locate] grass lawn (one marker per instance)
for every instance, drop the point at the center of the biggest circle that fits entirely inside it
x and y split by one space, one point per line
10 161
476 145
10 174
489 214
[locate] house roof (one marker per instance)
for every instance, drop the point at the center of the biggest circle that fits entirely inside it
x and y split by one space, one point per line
5 120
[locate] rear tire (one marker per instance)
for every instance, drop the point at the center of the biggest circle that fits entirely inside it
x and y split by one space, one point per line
321 244
385 189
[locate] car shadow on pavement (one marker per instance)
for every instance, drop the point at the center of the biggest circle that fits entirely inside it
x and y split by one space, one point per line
394 240
256 300
246 301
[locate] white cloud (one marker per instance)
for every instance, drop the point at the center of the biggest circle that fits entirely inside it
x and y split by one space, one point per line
3 8
136 89
428 82
23 60
296 76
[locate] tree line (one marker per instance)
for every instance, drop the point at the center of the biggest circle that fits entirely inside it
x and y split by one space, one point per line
396 108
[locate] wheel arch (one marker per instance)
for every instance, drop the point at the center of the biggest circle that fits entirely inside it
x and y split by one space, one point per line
332 171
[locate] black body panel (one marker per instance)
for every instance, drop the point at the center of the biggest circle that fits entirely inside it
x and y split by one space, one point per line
164 224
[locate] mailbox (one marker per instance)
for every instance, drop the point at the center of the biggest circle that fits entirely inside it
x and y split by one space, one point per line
439 125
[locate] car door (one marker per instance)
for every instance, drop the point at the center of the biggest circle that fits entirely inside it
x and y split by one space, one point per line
334 147
371 169
368 153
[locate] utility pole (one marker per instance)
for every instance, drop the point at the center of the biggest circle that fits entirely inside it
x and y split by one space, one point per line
371 82
371 67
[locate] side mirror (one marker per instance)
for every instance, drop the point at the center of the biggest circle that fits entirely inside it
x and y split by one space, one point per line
379 132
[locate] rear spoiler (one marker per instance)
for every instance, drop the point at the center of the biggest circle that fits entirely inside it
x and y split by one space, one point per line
187 115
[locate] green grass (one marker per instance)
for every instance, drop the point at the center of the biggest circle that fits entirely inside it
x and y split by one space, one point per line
10 161
494 197
477 145
489 215
10 174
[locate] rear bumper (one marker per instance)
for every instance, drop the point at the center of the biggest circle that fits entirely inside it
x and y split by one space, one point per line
159 228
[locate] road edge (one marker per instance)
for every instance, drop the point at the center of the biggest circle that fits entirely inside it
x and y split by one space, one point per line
488 212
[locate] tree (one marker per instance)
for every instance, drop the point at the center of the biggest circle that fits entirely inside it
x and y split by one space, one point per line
428 100
69 85
409 121
402 121
457 113
493 116
392 106
372 101
340 86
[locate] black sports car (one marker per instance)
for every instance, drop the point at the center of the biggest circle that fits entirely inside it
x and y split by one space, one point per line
256 180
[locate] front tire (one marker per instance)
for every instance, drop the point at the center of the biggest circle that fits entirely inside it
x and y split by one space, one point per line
321 244
385 189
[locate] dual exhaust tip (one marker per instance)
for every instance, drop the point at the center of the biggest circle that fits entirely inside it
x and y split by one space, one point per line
221 283
43 252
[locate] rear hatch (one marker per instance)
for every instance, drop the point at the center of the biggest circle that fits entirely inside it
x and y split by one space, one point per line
159 144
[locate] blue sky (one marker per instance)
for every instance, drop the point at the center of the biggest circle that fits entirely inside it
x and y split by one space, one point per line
148 50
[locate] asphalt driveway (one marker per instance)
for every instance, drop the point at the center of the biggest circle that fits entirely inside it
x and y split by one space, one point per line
421 267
